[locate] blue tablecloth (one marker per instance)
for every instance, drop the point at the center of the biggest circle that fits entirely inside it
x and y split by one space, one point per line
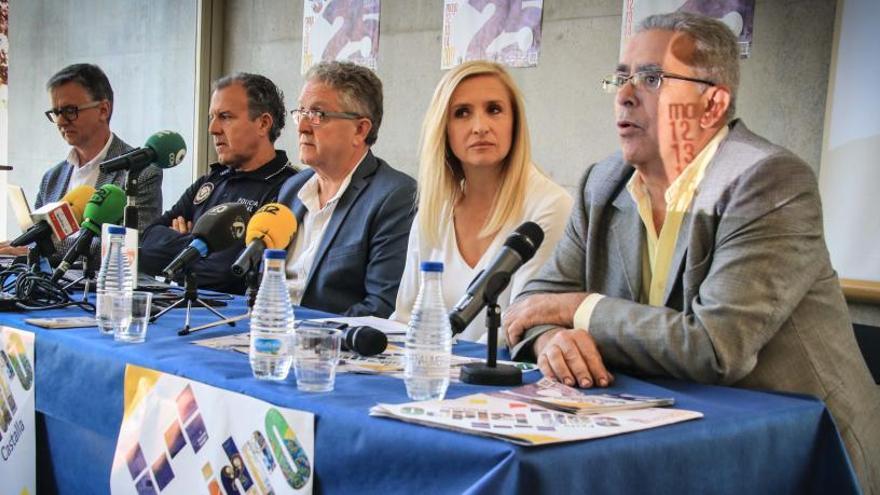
748 441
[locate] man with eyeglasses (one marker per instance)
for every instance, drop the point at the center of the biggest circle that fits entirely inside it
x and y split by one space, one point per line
354 211
246 117
82 104
697 251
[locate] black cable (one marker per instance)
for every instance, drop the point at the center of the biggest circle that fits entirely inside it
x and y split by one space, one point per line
35 291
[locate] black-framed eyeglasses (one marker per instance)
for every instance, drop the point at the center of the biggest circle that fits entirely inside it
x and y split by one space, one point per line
649 79
70 112
318 117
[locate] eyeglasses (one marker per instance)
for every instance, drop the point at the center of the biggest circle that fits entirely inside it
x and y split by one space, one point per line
649 79
318 117
70 112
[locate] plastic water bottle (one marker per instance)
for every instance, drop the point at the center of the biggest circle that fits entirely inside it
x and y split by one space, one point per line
272 321
428 351
114 278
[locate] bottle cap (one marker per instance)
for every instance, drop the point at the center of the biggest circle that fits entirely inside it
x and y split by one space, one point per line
431 266
274 254
115 229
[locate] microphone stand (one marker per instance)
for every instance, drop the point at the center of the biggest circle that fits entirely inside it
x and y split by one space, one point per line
490 372
190 296
131 209
252 278
88 274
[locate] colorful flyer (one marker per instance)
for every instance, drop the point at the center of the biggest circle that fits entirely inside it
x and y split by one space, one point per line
340 30
18 451
497 415
504 31
738 15
179 437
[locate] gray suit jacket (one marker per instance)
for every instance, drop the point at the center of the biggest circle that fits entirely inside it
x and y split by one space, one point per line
751 300
362 254
53 187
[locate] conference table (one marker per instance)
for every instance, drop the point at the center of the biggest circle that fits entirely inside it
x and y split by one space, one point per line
747 442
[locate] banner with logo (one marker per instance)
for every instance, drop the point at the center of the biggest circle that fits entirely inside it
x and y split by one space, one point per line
340 30
181 437
4 107
738 15
18 449
504 31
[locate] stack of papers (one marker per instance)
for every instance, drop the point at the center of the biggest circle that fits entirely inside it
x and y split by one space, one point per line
514 416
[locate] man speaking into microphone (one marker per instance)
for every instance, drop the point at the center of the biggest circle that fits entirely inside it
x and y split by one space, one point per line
82 104
246 117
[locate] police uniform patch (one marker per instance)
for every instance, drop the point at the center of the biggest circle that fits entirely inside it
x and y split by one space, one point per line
203 193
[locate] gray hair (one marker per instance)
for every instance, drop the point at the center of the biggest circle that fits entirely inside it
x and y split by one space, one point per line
360 90
90 77
263 97
716 54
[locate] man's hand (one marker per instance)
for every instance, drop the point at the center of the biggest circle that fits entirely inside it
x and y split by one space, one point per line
6 249
181 225
540 309
571 357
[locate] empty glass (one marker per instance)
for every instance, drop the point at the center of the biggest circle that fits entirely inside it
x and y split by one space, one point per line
136 329
315 356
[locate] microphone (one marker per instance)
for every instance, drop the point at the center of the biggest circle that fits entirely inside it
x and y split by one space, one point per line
105 206
58 220
165 149
219 228
519 248
366 341
271 227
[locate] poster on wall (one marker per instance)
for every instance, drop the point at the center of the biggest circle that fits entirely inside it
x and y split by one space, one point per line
340 30
739 15
504 31
18 452
180 437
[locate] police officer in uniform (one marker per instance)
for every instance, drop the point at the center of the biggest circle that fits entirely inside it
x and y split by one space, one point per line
246 117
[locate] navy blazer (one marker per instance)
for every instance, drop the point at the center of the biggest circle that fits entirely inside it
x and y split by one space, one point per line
362 254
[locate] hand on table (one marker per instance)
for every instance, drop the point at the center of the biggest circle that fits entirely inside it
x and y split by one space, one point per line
571 357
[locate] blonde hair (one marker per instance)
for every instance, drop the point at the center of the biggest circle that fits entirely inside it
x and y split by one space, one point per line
441 177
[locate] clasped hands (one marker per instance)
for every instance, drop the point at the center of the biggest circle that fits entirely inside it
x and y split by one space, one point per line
567 354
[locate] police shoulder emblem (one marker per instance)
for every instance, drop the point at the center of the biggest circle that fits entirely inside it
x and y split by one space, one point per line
203 193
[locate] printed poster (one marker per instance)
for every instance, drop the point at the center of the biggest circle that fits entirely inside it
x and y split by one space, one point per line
340 30
18 450
182 437
4 107
739 15
503 31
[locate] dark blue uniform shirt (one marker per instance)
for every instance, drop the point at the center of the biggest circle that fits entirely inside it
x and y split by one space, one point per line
160 243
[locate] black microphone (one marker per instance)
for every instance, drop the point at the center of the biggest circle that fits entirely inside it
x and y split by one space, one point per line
519 248
219 228
366 341
165 149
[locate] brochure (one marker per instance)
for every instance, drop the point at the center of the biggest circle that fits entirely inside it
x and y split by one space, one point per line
561 397
498 416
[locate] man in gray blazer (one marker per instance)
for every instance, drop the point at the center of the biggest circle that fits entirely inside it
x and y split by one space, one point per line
353 210
82 104
697 251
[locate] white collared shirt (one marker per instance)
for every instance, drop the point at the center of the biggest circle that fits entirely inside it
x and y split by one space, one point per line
86 174
310 232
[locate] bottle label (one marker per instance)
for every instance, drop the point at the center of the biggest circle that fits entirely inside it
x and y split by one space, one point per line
268 346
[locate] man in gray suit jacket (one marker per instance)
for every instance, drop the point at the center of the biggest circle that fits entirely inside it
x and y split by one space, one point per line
354 211
697 252
82 104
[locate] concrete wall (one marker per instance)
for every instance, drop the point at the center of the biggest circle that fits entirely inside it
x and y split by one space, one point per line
147 49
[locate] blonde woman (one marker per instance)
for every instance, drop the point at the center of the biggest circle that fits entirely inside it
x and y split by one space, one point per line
477 183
